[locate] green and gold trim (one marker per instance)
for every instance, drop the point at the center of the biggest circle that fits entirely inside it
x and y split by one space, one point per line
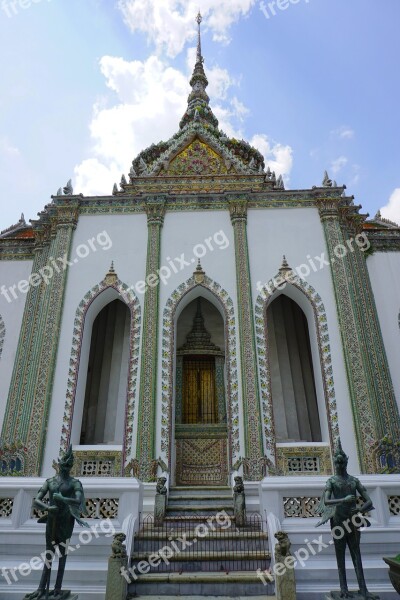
248 356
155 208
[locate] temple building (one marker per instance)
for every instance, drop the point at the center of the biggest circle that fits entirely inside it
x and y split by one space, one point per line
201 321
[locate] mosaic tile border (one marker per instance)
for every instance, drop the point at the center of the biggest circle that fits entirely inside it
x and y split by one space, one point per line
252 468
355 344
2 334
386 414
321 323
167 363
133 304
155 209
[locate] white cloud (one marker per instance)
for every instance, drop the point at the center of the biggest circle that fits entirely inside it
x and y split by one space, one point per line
278 158
344 133
151 99
338 164
7 150
356 169
392 209
170 24
239 108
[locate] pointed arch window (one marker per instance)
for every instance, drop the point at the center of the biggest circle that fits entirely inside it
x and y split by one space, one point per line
107 377
293 387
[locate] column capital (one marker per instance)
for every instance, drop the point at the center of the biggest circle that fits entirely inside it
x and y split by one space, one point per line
155 210
42 235
65 217
238 210
328 207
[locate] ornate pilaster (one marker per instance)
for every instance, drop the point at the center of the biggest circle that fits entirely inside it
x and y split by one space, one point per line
380 384
361 337
16 414
32 379
251 402
155 209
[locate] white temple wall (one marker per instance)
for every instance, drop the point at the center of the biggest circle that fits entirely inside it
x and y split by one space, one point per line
384 270
118 238
181 234
298 234
11 273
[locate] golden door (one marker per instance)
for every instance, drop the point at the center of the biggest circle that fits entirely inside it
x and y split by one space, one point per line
198 394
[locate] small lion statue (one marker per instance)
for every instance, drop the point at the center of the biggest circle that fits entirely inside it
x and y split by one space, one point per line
285 583
282 548
161 487
118 547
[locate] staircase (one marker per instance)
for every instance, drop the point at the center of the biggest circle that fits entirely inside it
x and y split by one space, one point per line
203 552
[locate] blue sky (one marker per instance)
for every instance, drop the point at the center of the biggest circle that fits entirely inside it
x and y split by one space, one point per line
87 84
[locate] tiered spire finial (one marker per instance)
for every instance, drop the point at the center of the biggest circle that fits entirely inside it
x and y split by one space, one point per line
199 57
198 102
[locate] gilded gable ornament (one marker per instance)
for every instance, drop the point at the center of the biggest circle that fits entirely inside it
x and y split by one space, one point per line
197 159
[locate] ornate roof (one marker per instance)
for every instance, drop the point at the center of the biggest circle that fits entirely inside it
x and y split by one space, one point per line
199 148
380 222
19 230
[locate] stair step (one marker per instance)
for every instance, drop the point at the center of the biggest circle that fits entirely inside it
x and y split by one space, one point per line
188 519
202 491
200 497
236 580
201 577
201 556
202 597
235 534
191 507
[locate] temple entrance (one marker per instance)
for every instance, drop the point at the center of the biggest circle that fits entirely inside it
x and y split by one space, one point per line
201 433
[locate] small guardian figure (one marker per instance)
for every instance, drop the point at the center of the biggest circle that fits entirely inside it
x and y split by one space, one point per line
285 583
160 504
118 548
117 565
339 506
239 502
66 504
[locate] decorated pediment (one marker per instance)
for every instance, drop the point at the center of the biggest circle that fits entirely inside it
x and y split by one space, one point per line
198 149
198 158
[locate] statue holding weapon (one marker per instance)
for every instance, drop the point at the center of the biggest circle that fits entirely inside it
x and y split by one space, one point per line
66 504
339 506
